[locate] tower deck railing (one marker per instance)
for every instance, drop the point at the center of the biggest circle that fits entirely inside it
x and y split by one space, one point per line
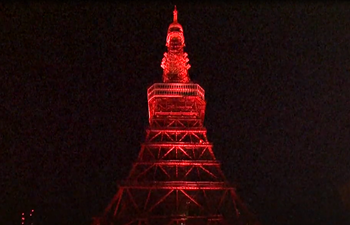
175 90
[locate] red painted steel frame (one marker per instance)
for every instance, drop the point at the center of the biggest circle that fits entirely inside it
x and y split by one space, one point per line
176 178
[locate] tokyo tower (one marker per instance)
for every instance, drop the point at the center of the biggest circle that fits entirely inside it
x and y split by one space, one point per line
176 178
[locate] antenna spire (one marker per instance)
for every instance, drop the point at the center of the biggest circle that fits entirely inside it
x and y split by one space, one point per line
175 62
175 14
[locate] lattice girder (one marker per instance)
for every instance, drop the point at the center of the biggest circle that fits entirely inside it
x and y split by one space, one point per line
177 135
201 206
177 122
176 151
176 179
177 170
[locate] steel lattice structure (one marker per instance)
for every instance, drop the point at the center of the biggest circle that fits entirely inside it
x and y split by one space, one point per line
176 178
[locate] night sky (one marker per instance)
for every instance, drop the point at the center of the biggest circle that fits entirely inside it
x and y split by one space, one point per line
74 107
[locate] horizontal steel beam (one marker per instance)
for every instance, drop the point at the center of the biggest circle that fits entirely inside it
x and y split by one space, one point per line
180 162
178 118
177 130
177 185
178 144
210 217
169 113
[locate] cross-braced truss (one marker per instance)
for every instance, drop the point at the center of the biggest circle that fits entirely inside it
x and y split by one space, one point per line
176 178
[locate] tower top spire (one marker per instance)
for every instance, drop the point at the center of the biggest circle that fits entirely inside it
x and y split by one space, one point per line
175 14
175 62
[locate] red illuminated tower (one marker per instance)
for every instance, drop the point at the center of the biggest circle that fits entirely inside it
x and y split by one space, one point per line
176 178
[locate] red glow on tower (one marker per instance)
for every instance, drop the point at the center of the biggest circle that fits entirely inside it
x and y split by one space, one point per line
175 62
176 178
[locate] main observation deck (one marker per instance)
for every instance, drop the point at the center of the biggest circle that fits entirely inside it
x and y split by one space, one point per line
176 99
175 90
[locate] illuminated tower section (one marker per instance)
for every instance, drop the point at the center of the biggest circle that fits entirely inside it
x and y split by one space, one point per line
175 62
176 178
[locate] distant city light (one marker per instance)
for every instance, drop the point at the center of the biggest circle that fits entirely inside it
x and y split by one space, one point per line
29 219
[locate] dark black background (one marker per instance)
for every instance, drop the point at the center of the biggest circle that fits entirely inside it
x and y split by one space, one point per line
74 108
